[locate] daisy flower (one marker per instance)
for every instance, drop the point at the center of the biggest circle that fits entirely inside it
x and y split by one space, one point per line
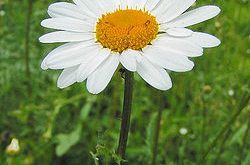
146 36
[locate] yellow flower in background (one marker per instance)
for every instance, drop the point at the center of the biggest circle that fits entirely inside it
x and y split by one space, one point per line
13 147
146 36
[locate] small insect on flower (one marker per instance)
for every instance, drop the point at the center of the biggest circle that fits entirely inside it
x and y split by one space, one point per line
146 36
13 147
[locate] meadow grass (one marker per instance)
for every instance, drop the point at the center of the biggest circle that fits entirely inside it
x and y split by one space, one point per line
73 127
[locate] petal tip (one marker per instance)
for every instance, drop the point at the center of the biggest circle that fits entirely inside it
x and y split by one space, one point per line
60 85
94 92
216 9
218 42
44 65
191 66
41 39
42 23
166 87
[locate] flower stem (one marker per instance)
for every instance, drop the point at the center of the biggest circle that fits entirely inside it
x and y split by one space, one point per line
27 44
203 124
244 102
243 151
160 101
127 105
221 149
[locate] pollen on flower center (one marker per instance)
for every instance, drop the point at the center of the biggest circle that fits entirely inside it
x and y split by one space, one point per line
126 29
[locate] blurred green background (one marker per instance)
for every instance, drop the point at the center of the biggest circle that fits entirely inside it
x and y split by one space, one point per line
206 111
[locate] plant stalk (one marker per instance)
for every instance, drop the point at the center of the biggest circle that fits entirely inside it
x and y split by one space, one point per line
126 113
203 125
244 147
160 101
244 102
27 45
221 149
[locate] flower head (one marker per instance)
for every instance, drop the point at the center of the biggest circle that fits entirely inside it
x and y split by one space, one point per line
231 92
183 131
146 36
13 147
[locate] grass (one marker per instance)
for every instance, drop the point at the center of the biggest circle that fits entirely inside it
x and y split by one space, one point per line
63 126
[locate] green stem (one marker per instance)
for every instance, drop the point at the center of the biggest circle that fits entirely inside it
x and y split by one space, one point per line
244 144
26 44
203 125
127 105
244 102
157 129
156 138
227 135
115 98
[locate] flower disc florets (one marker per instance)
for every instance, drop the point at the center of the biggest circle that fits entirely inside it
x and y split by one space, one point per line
126 29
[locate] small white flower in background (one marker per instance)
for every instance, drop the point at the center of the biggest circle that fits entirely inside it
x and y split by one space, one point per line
13 147
248 51
2 12
183 131
231 92
146 36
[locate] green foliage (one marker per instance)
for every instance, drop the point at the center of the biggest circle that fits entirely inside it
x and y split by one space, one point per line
151 133
72 127
65 141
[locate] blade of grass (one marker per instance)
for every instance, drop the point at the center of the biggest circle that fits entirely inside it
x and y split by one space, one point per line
27 46
244 102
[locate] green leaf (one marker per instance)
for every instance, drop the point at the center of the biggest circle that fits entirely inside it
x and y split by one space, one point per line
66 141
247 159
151 133
238 136
87 108
85 111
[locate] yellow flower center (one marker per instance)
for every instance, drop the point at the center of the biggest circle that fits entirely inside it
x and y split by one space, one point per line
126 29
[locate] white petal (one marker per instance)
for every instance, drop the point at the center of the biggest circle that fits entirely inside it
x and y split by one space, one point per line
179 32
68 24
154 75
44 66
67 77
194 16
184 46
92 6
139 4
64 9
70 54
110 5
172 9
85 8
87 67
205 40
64 36
132 4
123 4
129 58
168 59
100 78
152 4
